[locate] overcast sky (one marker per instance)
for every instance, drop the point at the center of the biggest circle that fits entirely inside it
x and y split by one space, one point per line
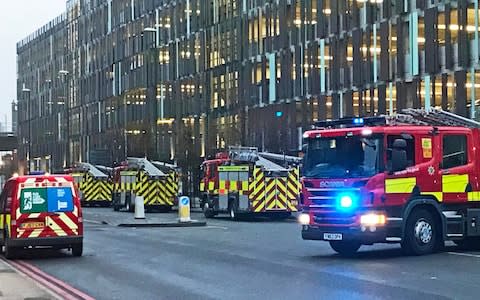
19 18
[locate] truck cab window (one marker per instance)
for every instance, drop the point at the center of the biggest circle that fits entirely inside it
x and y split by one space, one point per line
454 151
410 150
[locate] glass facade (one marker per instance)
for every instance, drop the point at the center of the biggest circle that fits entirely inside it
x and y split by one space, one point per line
177 80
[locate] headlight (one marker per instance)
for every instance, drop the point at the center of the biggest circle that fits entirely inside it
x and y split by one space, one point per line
304 219
373 219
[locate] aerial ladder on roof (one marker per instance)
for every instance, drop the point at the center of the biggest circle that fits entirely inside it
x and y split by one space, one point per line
95 186
410 116
156 182
243 181
433 117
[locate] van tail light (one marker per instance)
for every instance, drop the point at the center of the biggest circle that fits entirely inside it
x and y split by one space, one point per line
80 220
14 222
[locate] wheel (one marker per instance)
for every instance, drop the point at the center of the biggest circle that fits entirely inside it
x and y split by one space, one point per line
233 209
77 250
207 211
11 252
422 233
129 207
345 248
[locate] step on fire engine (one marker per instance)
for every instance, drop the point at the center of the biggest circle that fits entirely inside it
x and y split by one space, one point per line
140 177
413 179
95 186
242 181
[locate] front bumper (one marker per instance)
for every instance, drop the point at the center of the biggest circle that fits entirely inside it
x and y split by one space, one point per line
312 232
66 241
390 232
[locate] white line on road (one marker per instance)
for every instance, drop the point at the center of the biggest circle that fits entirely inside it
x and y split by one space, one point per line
464 254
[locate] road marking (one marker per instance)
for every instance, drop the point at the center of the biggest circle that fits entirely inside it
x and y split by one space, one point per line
217 227
464 254
51 283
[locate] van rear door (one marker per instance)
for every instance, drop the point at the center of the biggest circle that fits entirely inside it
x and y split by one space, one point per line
47 209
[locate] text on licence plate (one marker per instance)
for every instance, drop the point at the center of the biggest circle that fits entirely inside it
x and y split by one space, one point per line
32 225
332 236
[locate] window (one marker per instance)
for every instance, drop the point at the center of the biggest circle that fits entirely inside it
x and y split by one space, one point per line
454 151
6 197
410 150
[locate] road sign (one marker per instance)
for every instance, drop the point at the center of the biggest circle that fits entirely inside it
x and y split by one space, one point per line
184 209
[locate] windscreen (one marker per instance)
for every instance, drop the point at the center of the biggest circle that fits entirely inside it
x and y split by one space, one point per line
342 157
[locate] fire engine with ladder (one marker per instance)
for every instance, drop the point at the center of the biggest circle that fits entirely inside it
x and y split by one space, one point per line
95 187
242 181
413 179
156 182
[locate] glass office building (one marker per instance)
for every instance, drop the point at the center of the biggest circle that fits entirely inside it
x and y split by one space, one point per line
176 80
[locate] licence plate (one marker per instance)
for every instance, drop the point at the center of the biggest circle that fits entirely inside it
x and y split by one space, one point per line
294 202
332 236
32 225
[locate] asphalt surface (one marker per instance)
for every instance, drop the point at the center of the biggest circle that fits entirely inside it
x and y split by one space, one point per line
250 260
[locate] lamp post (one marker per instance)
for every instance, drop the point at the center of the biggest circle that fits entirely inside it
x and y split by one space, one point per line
151 104
26 98
64 74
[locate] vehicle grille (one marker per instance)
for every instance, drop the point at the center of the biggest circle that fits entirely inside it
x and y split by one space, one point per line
327 197
333 218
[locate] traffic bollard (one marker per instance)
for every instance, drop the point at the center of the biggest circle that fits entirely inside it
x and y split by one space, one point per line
139 208
184 209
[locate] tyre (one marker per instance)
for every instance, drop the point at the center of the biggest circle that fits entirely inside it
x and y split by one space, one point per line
207 211
233 209
129 207
422 233
11 252
77 250
345 248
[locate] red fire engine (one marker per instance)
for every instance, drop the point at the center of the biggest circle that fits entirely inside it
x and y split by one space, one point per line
243 181
411 179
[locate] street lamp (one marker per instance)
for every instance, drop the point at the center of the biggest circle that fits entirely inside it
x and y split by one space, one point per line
64 74
151 66
26 98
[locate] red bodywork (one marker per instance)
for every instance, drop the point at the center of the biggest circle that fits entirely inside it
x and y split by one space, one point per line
373 194
27 226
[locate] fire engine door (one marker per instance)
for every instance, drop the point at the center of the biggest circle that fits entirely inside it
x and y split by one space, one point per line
457 168
223 191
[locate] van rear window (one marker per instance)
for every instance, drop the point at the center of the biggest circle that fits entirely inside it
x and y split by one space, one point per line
46 199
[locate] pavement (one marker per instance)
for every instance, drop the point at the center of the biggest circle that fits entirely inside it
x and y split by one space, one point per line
107 216
15 285
254 259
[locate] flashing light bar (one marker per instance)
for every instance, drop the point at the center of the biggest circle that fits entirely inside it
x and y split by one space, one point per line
353 122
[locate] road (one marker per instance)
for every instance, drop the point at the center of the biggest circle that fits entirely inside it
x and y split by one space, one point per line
251 260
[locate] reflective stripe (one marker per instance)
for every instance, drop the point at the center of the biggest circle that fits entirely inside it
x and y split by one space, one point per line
473 196
400 185
437 195
455 183
233 168
222 184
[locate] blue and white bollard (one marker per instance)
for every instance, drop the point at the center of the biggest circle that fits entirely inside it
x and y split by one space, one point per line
184 209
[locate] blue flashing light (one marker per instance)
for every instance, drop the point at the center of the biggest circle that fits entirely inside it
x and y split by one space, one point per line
345 202
36 173
279 114
358 121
